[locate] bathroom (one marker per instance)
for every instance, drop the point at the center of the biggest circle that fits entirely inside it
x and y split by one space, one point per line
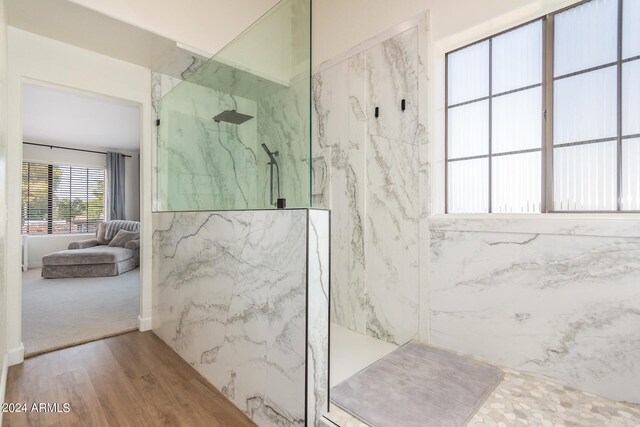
398 213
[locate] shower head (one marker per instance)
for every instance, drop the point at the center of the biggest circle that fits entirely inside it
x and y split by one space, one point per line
232 116
270 153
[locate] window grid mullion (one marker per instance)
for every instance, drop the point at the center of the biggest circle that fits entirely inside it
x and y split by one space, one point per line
484 98
586 70
489 180
446 134
545 180
619 112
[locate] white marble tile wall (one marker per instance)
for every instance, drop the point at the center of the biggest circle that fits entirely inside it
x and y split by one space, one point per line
564 305
318 316
202 165
340 137
230 297
284 126
373 186
392 196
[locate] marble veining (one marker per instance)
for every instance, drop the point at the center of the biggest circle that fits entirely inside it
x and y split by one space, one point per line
230 296
374 191
555 224
203 165
564 306
284 125
318 316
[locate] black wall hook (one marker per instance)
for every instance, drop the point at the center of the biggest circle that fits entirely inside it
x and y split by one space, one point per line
402 105
377 112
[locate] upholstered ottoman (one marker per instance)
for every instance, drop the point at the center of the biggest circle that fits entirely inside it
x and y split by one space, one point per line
96 261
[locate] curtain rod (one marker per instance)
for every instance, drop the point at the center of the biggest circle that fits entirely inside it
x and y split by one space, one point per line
67 148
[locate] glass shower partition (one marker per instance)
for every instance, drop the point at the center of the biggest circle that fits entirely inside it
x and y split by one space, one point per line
235 132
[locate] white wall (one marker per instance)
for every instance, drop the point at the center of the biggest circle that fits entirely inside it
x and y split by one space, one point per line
41 60
41 245
3 200
206 27
339 25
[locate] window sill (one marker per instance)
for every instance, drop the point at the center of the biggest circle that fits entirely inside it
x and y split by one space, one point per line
60 235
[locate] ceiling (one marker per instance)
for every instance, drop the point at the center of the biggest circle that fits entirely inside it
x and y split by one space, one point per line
142 32
54 116
85 28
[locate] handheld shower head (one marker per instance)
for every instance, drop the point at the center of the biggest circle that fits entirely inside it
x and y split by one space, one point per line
270 153
273 163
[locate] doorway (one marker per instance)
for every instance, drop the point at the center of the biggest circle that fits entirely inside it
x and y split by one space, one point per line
78 285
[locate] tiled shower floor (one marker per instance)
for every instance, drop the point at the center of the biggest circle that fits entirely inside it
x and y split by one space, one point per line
521 399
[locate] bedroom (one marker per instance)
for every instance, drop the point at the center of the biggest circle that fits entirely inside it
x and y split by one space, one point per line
79 170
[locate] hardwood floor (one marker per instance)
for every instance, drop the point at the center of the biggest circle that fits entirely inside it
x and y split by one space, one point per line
133 379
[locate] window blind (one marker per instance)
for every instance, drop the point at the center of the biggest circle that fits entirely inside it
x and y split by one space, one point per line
59 199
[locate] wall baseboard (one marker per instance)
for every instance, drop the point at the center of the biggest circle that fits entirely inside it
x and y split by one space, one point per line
15 356
145 324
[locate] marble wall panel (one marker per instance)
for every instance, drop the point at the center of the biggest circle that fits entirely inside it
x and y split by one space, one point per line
373 185
230 297
284 126
339 137
392 241
392 193
202 164
318 316
560 305
392 75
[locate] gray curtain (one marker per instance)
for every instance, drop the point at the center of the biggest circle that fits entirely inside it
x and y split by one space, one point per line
115 183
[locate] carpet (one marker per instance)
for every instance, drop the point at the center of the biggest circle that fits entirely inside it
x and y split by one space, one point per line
418 385
57 313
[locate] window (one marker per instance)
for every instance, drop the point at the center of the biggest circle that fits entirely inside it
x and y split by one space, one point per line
61 199
546 117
